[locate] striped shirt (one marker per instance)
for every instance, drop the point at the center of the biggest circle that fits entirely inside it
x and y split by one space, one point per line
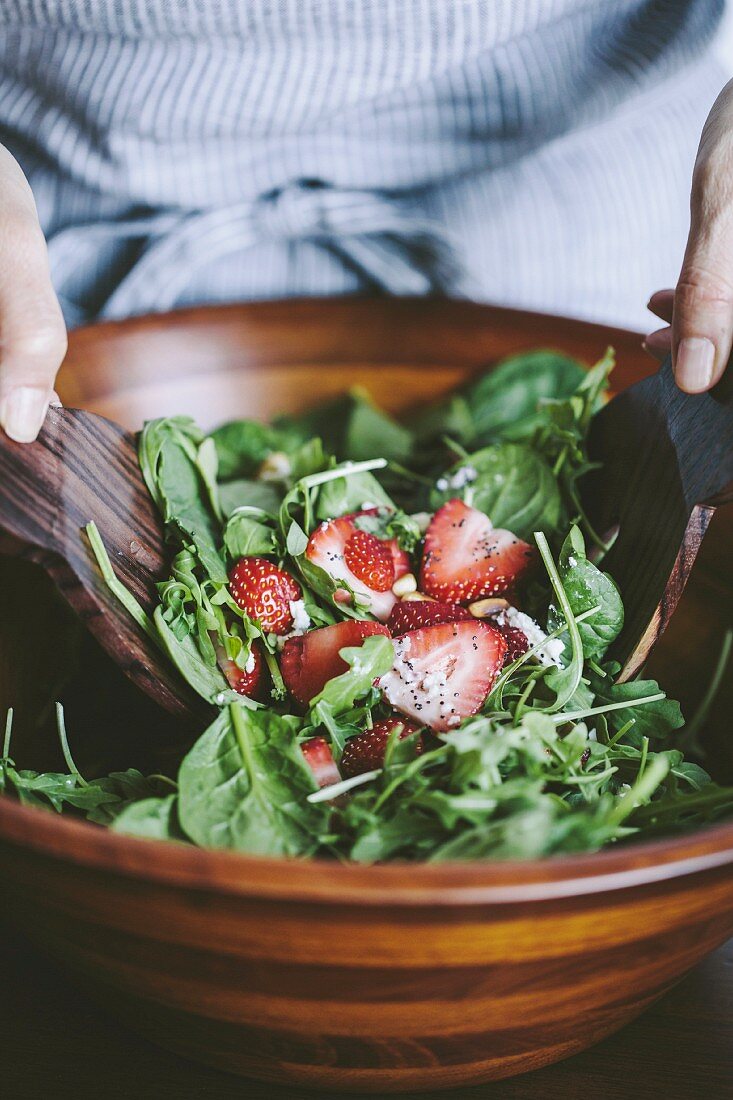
526 152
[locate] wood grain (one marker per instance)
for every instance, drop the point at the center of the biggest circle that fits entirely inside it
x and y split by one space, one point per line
372 979
84 468
662 454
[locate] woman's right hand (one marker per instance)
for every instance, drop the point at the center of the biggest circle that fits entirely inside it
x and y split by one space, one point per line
32 330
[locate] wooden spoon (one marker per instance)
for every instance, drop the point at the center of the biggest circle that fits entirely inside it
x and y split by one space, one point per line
81 468
667 461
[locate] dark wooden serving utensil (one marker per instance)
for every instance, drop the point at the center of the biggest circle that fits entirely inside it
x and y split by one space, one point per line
82 468
667 461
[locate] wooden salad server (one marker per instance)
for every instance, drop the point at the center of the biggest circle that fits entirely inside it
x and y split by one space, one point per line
667 461
84 468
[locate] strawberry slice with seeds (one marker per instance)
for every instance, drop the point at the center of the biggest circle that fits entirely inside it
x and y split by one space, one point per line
265 592
319 758
466 558
248 681
332 549
442 674
308 662
365 752
516 641
370 560
412 614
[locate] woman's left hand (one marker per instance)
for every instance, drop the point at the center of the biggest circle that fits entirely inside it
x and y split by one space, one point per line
699 312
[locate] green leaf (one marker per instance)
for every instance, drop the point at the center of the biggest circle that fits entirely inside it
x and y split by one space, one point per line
169 460
654 720
587 587
261 495
350 493
243 445
153 818
367 663
250 531
205 679
512 485
505 402
244 786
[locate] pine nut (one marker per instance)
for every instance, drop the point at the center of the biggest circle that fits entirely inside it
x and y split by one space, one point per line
417 597
482 609
405 584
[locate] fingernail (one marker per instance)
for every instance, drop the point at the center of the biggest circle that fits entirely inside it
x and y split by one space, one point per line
694 363
22 413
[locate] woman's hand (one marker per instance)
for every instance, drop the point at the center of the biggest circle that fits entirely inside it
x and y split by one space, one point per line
32 331
699 312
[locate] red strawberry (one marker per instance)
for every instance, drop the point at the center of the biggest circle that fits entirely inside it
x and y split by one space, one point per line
465 557
411 614
327 548
311 660
265 592
243 682
319 758
442 674
370 559
366 751
516 641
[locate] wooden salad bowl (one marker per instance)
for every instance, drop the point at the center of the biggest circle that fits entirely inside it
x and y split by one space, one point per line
373 979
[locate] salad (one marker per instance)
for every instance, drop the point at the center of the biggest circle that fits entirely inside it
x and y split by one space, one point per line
402 633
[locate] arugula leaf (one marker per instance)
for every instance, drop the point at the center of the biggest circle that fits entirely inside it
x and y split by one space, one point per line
653 720
513 485
244 786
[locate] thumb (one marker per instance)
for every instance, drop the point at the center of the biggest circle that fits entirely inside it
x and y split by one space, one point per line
702 322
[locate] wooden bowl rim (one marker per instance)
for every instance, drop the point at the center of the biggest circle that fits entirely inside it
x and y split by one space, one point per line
387 885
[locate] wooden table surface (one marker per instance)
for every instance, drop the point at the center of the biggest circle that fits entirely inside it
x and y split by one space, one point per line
56 1043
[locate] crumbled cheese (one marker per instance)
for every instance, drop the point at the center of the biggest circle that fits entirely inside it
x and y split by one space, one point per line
276 467
463 476
592 736
548 654
301 618
219 699
250 665
369 506
454 720
422 519
572 562
301 622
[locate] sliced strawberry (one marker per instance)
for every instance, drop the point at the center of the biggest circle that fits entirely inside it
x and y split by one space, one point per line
319 758
465 557
516 641
411 614
442 674
311 660
370 560
327 548
265 592
244 682
366 751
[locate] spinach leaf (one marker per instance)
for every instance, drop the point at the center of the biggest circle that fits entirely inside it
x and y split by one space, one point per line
513 485
250 494
154 818
243 445
587 587
244 786
505 402
249 530
169 460
203 676
342 495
